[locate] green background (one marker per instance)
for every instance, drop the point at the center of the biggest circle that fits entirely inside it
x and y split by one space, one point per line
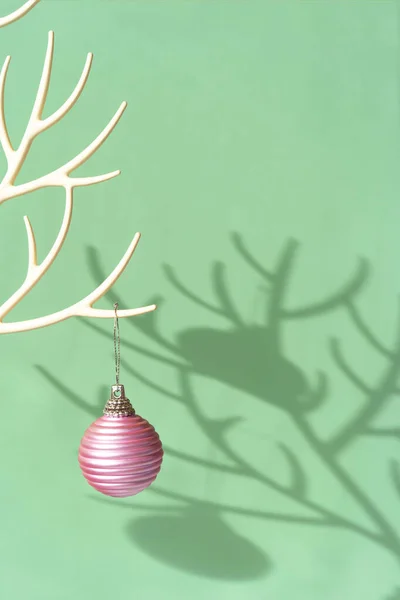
260 160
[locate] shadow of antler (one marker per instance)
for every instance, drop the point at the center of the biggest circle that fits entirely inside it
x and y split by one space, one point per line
269 375
252 358
377 396
394 595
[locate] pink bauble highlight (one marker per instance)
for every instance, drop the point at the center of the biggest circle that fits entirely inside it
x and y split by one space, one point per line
120 456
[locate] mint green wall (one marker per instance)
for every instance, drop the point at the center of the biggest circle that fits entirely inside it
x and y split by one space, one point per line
260 160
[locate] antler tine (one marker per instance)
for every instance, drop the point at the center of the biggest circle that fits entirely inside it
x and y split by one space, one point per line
17 14
32 249
36 125
73 98
107 284
67 313
86 306
35 272
43 88
4 137
83 156
41 97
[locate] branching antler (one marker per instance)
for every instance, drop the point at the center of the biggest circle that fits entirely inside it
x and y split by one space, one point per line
17 14
60 177
377 397
15 158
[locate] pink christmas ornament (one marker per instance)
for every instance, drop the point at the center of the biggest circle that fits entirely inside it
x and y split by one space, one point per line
120 453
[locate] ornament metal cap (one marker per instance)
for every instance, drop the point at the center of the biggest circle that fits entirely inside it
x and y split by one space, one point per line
118 405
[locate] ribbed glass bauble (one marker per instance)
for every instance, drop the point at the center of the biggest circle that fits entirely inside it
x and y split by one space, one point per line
120 453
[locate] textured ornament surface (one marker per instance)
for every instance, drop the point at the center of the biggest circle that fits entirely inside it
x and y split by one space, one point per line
120 456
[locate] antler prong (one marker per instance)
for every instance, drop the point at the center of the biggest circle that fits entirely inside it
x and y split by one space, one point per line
107 284
83 156
44 84
17 14
35 271
4 137
32 249
73 98
85 181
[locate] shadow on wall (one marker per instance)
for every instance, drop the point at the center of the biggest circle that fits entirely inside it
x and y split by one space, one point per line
197 540
191 534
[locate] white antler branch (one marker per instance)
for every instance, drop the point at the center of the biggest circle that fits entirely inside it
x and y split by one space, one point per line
32 250
57 178
73 311
35 271
86 306
4 137
17 14
15 158
74 97
83 308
